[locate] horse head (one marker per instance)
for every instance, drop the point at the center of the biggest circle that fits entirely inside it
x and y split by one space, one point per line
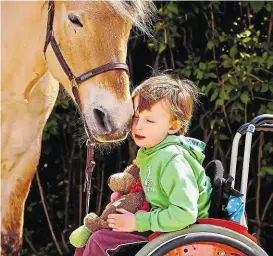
90 35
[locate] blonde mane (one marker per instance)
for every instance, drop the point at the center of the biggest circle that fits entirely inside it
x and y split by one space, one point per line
139 13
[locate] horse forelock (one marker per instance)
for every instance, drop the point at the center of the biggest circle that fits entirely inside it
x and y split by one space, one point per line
138 12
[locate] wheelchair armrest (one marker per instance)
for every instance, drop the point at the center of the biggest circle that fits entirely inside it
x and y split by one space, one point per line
227 224
154 235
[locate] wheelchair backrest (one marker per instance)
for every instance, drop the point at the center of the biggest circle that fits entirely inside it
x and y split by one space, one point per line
215 172
222 190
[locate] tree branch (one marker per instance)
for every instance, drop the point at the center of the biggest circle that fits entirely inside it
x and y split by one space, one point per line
46 213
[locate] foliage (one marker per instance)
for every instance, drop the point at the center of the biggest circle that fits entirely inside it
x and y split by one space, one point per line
232 64
226 48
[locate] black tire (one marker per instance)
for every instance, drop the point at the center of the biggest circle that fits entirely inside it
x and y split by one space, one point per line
197 233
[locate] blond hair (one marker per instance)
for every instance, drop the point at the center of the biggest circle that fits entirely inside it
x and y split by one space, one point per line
181 96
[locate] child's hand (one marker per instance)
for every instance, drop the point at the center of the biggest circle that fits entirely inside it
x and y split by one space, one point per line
124 222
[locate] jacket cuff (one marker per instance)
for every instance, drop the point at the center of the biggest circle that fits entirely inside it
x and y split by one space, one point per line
143 221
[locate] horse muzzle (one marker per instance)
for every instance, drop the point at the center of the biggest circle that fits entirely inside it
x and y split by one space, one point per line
105 126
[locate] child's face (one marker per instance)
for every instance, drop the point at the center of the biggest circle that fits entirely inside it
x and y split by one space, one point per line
150 127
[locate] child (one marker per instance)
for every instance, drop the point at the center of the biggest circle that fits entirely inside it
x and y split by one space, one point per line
173 179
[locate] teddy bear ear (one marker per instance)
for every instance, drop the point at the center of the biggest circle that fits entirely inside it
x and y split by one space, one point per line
133 170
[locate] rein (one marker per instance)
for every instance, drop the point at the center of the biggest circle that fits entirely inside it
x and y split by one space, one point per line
75 83
90 164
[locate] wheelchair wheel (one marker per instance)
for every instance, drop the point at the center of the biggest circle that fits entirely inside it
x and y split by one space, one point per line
202 240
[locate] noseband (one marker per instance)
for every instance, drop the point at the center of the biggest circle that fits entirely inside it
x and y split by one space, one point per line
75 83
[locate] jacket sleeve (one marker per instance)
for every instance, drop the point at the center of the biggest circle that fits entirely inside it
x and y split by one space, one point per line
179 184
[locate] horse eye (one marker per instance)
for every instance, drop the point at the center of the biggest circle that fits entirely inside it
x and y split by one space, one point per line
128 2
75 20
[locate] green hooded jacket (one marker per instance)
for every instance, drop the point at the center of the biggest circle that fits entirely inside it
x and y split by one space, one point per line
175 184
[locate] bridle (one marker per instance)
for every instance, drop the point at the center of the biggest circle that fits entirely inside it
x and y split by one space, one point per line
75 83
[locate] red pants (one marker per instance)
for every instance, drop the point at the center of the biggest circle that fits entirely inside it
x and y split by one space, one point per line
106 242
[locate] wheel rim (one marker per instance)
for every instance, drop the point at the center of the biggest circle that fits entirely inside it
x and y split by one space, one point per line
205 249
204 241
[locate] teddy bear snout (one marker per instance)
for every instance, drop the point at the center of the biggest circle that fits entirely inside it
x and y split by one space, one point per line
121 182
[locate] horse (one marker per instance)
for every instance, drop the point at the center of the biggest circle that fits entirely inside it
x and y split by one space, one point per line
80 45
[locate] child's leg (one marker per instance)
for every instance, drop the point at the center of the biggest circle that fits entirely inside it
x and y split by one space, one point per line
79 252
105 239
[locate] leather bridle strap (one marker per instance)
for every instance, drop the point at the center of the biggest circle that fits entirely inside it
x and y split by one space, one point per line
102 69
76 81
89 74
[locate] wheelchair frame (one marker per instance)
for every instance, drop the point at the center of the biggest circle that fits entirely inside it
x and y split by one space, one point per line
259 123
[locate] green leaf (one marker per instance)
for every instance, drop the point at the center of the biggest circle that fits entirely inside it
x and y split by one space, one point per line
162 47
160 11
247 39
271 88
267 170
233 51
210 87
214 95
223 137
264 87
210 44
212 123
265 55
257 5
242 54
202 66
151 45
211 75
227 63
246 33
212 64
269 6
244 98
200 74
172 7
187 73
270 105
233 81
219 102
224 57
255 39
269 63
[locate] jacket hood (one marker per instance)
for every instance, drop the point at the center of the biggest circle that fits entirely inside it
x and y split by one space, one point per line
193 146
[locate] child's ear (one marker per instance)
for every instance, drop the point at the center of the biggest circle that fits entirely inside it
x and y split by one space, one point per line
175 127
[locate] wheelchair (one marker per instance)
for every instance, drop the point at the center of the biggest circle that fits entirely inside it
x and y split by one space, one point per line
215 235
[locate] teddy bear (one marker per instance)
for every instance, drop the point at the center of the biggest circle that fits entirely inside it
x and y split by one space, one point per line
127 194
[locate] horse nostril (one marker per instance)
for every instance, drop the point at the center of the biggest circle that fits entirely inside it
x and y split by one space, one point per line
101 119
